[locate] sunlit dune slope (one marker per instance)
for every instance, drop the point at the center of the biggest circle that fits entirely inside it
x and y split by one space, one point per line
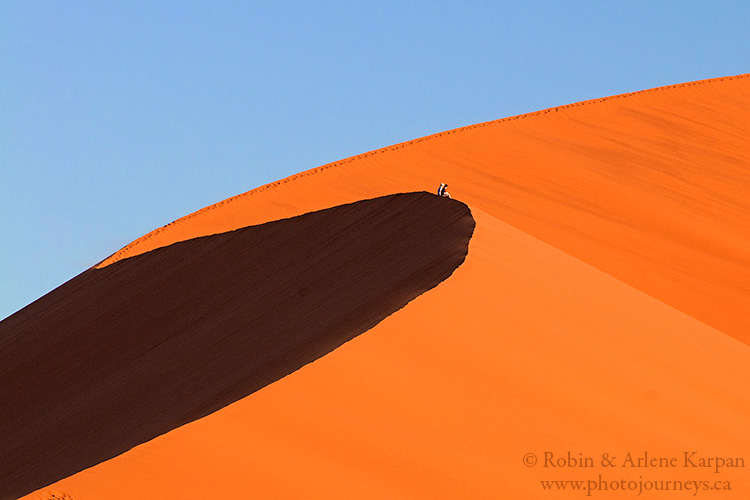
603 308
524 349
120 355
650 187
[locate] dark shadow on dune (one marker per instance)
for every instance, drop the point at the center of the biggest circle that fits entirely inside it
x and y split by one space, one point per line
120 355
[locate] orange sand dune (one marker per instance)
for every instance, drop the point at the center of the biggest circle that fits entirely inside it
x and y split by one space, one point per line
602 309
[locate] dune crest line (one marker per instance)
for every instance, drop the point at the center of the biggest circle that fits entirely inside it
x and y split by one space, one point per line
131 248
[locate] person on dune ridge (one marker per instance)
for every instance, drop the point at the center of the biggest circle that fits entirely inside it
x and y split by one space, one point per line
442 190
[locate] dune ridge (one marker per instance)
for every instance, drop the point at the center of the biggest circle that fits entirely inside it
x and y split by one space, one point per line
650 187
130 249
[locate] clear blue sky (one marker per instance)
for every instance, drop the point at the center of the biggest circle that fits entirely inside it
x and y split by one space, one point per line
119 117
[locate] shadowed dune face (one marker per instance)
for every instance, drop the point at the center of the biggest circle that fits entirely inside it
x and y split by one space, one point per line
120 355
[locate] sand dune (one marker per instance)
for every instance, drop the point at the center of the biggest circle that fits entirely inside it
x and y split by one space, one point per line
603 307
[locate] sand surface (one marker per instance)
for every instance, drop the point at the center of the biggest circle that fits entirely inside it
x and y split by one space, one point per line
603 307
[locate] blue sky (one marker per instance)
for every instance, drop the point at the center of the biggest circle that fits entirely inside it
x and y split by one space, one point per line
119 117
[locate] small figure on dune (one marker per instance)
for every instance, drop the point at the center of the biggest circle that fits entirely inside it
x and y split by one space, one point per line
443 190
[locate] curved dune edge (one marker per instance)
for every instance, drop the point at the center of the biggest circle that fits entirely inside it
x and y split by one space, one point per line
121 355
649 187
138 246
